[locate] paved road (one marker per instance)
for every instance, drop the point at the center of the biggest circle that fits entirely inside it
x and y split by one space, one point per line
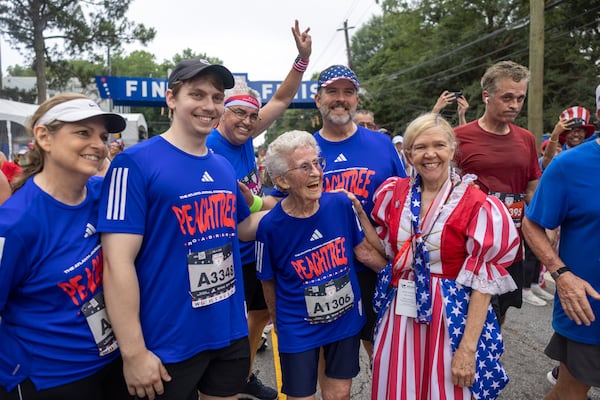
525 332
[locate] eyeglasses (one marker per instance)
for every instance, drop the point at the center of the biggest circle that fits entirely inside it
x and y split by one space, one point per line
242 115
307 167
368 125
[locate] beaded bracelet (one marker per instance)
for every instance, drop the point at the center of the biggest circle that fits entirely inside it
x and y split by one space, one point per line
300 64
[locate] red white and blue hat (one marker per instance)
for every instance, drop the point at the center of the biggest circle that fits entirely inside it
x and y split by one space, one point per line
336 72
576 114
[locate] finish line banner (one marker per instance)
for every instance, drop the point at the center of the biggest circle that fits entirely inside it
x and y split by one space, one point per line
150 92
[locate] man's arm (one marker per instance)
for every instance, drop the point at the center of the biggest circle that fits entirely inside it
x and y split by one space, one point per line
572 291
247 228
530 189
289 87
143 370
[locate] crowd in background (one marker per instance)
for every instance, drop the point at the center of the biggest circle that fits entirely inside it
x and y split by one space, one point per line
152 271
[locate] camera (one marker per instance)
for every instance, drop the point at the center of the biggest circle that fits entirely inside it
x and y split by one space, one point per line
575 123
456 95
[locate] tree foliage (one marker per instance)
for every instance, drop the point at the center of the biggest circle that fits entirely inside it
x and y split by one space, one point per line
418 49
48 32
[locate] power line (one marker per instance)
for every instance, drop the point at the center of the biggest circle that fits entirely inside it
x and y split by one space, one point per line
462 70
519 24
325 50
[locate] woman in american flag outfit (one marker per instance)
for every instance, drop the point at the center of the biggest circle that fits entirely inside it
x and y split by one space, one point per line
437 336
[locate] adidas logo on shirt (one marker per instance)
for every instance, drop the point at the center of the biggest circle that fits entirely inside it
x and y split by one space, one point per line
206 177
316 235
89 230
340 158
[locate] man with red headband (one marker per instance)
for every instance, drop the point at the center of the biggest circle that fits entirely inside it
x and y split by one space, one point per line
242 121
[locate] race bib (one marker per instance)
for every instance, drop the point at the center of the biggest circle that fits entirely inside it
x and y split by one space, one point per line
97 319
515 203
329 301
212 276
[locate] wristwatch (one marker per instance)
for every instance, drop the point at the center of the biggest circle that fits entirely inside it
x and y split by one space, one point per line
559 272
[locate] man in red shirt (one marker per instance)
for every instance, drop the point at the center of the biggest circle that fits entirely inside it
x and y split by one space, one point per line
502 155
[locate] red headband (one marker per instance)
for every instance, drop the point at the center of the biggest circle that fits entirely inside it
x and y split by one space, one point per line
242 100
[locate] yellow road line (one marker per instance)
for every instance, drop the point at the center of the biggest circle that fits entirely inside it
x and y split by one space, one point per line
277 364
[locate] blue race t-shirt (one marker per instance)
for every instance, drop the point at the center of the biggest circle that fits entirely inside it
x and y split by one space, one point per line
566 197
244 163
189 270
359 164
53 326
312 261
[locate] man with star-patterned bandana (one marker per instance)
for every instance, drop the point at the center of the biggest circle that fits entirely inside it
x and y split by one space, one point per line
357 159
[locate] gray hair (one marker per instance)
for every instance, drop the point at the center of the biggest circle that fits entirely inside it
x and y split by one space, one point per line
241 90
279 151
500 70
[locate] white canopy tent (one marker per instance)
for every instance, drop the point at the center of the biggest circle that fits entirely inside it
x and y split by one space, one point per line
13 117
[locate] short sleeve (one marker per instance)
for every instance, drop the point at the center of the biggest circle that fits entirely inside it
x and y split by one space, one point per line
264 266
123 202
492 245
14 263
382 210
243 211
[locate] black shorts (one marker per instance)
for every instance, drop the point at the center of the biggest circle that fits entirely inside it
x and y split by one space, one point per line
367 280
582 360
219 373
502 302
255 298
106 384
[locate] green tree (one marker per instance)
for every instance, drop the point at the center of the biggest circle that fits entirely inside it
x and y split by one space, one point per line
48 31
19 70
295 119
138 63
415 50
60 72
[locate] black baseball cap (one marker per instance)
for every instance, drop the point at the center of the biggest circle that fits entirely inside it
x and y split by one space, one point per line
188 69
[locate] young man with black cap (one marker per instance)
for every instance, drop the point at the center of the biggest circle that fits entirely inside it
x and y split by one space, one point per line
357 159
170 216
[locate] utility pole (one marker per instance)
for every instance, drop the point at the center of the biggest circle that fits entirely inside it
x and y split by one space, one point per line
346 28
535 117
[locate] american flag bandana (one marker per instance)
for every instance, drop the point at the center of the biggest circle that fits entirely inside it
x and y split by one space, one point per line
336 72
384 293
421 258
490 376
